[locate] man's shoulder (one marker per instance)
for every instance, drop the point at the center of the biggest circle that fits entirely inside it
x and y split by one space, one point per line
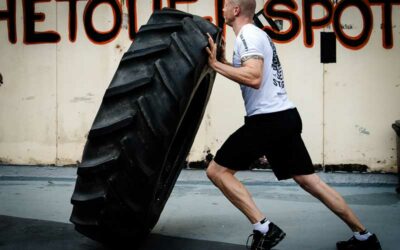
252 32
252 36
251 29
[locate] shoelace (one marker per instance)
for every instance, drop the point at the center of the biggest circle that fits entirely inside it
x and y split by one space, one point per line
259 245
247 242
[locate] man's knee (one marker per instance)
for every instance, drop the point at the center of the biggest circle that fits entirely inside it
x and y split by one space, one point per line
211 170
215 171
308 182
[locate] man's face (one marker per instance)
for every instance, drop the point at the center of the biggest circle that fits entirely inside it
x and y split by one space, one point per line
229 12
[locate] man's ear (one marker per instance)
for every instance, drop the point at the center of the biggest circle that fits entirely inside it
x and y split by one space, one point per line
236 11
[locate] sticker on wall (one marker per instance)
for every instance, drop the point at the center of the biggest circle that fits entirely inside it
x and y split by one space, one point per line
328 47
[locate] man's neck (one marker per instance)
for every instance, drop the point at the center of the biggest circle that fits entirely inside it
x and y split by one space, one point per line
239 23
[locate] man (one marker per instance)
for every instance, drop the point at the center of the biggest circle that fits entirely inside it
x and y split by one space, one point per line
272 128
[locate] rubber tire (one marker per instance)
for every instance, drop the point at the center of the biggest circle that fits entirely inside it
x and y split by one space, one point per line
144 129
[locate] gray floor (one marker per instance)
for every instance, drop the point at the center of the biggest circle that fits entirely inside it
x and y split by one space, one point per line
197 214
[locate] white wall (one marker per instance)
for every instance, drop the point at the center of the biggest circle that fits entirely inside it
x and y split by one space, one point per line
51 92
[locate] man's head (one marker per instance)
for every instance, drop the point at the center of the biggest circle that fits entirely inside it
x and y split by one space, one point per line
238 8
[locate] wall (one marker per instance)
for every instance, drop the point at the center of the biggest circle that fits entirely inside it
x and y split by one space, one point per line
53 84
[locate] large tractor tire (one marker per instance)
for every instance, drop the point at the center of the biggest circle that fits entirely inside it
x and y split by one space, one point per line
144 129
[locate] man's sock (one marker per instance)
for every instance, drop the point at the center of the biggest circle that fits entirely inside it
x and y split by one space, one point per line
362 236
262 226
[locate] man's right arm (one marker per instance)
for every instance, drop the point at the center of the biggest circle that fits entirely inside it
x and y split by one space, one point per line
249 74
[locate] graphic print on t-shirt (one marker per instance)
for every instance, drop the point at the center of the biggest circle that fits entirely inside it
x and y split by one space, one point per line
276 65
246 48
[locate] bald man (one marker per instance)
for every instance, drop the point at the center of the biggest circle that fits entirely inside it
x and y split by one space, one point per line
273 128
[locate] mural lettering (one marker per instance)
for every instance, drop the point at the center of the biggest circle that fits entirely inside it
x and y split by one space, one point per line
10 16
333 14
334 11
72 18
387 35
30 17
98 36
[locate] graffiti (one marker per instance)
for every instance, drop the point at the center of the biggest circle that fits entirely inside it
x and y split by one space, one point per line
30 17
104 37
334 10
10 16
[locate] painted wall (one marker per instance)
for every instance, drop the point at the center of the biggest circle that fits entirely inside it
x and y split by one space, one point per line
56 66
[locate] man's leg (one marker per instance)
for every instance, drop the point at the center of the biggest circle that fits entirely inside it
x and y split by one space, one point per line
332 199
234 190
266 234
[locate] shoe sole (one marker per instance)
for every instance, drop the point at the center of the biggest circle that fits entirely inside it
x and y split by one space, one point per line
379 248
372 248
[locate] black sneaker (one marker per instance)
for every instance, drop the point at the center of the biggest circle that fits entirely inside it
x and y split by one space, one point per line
266 241
372 243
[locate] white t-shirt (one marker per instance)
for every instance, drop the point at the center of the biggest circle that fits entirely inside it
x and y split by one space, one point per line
271 96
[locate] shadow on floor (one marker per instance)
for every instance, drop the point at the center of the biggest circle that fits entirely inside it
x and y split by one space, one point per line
29 234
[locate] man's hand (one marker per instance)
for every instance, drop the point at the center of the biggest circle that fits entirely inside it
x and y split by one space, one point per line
212 52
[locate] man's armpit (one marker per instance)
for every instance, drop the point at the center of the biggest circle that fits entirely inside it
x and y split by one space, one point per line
246 58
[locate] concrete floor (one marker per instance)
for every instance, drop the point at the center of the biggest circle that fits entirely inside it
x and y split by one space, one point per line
35 209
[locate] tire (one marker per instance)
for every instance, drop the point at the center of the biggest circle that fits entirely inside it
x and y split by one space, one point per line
144 129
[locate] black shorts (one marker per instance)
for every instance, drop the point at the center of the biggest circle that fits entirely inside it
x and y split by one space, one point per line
275 135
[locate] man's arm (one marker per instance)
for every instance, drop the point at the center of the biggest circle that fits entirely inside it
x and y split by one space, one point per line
249 74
